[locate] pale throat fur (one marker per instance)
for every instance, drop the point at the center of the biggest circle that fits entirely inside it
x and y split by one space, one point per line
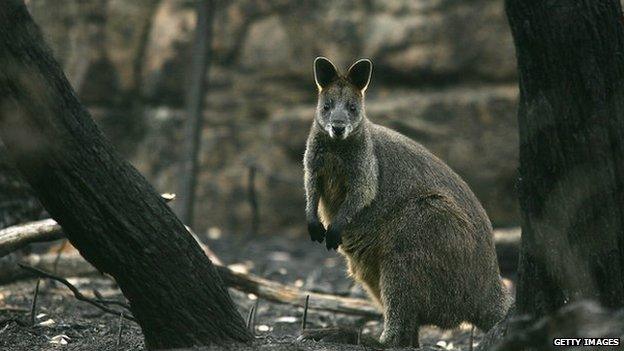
345 165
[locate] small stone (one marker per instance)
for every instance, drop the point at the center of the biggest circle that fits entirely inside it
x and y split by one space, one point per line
60 339
47 323
287 319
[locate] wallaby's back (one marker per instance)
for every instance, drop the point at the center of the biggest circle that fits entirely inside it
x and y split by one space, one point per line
408 169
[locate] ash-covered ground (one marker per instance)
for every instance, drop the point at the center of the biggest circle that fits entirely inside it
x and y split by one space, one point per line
64 323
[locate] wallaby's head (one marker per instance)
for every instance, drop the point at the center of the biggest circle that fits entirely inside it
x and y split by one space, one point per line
340 109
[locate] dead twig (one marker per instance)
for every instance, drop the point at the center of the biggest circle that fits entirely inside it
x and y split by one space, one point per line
471 337
121 317
74 290
251 317
33 307
106 301
304 319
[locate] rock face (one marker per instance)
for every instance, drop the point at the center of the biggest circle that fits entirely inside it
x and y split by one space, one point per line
444 74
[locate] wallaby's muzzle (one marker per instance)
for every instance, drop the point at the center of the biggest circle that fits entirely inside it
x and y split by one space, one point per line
338 130
338 126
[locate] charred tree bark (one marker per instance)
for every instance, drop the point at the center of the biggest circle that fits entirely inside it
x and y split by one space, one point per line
107 209
194 108
571 123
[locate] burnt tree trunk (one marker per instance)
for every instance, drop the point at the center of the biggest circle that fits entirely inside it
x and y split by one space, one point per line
107 209
571 124
194 108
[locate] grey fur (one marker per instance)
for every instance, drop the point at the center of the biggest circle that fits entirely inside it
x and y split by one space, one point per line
411 229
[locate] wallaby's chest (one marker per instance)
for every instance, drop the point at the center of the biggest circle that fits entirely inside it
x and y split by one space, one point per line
334 183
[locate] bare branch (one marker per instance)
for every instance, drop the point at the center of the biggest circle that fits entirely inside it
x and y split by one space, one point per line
121 317
75 291
33 306
106 301
304 319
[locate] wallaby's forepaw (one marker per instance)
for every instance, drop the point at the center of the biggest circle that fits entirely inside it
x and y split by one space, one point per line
317 231
333 238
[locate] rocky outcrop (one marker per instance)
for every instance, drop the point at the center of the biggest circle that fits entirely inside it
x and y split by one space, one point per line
444 74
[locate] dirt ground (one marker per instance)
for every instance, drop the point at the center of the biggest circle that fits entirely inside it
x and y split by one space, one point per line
64 323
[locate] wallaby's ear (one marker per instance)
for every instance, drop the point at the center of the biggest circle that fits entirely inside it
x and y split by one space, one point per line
360 73
324 72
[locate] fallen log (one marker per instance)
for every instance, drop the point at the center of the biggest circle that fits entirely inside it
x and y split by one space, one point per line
15 237
73 265
282 293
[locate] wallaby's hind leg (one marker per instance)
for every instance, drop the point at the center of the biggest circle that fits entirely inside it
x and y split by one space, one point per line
495 309
400 310
399 330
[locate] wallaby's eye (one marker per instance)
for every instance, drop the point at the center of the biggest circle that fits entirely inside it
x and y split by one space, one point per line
352 107
326 106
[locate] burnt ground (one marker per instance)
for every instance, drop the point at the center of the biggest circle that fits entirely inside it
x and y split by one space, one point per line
64 323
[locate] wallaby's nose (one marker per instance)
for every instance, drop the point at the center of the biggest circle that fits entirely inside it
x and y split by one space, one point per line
338 130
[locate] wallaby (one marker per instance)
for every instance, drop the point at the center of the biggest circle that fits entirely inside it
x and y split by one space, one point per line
412 231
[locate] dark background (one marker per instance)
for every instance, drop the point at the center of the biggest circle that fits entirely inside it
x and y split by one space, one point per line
444 74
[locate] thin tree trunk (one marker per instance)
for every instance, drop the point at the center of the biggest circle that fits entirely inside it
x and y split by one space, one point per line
194 108
118 222
571 123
